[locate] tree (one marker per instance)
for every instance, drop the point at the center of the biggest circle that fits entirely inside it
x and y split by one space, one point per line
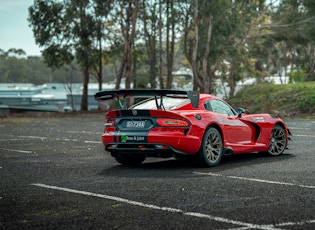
223 41
160 34
292 35
150 26
101 9
170 41
218 38
127 13
65 29
16 67
206 26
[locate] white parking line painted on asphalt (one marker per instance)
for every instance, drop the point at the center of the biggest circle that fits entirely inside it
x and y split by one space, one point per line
59 139
33 137
93 142
298 128
302 135
297 223
15 150
168 209
224 220
85 132
301 223
256 180
5 140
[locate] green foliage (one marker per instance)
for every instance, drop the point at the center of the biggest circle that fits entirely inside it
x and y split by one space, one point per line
249 38
297 75
64 29
291 100
22 70
34 70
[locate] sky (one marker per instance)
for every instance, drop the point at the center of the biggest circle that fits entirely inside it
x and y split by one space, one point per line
14 27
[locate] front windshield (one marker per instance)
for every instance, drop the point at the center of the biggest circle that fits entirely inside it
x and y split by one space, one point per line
169 103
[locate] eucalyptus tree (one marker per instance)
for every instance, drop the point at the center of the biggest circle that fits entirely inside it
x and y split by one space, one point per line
242 35
170 40
13 52
126 13
150 24
161 27
103 21
310 48
13 69
304 36
293 32
218 39
65 29
205 30
208 38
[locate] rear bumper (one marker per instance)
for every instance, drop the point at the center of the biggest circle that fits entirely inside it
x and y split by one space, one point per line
149 150
157 146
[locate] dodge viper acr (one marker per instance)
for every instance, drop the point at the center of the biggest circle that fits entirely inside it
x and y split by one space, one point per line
185 124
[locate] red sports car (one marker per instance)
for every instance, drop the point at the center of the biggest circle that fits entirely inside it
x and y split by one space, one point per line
186 124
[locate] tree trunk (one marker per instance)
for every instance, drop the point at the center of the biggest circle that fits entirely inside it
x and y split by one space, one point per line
170 42
172 48
128 31
100 73
130 44
232 83
205 75
128 67
160 47
195 47
120 71
150 39
84 99
168 77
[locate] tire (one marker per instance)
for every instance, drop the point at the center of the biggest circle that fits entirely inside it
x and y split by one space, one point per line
129 160
278 141
211 149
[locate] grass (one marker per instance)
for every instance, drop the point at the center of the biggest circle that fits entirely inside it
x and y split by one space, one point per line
290 100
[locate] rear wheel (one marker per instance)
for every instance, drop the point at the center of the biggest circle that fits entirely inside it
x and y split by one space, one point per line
278 141
211 149
129 160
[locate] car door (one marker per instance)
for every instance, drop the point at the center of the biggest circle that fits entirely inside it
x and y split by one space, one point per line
235 129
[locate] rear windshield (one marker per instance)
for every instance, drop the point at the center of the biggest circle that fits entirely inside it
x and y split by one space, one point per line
169 103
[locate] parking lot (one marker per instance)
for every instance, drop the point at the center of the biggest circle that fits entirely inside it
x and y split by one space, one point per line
55 174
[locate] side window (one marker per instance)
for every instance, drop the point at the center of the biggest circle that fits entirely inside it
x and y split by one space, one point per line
208 106
218 106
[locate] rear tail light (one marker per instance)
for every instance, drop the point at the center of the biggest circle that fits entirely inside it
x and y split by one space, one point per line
171 122
110 122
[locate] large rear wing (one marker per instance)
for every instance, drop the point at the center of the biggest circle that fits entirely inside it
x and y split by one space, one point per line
122 94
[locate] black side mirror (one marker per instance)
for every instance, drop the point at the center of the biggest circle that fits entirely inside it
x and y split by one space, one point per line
240 111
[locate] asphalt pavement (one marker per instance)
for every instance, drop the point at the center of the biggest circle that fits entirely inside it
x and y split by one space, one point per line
55 174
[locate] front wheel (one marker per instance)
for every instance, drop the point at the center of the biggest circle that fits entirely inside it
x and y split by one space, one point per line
278 141
129 160
211 149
